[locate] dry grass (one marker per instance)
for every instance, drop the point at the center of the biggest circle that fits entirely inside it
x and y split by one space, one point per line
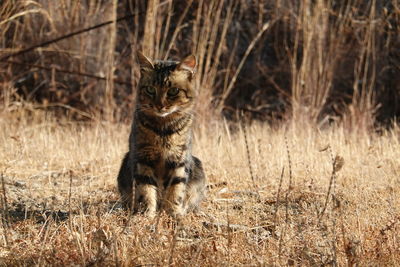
60 204
290 195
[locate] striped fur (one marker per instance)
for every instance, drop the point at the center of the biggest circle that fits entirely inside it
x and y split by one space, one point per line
159 166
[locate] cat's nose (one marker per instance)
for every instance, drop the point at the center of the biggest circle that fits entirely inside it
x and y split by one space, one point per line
160 108
159 104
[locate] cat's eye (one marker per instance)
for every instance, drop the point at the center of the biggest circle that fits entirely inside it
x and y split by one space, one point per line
150 90
173 91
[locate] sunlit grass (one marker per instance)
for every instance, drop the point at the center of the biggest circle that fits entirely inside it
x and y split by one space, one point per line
62 202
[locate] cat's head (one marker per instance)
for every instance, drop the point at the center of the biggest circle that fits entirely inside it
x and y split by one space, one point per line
166 88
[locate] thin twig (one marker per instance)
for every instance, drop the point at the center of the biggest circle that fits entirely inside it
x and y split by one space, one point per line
278 197
229 235
337 163
286 199
249 159
66 71
174 241
290 179
5 217
70 219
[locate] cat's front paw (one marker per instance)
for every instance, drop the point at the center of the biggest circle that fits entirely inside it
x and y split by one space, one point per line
175 210
144 210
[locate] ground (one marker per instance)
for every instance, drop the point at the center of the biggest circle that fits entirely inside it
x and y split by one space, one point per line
290 195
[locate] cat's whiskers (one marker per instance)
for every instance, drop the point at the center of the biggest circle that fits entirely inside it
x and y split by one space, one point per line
185 112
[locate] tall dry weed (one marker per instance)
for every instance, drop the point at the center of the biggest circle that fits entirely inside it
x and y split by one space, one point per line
363 109
320 35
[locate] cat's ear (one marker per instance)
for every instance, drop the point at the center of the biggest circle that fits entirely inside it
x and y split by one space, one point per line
188 64
145 62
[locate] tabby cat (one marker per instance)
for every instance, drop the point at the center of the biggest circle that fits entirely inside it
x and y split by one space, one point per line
159 164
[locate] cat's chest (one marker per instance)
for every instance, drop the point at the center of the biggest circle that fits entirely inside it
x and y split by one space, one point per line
168 147
159 146
160 152
160 149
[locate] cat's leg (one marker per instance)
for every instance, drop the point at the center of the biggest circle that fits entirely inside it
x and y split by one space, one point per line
175 192
145 191
125 183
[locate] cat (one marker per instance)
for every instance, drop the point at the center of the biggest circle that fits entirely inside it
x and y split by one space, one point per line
160 166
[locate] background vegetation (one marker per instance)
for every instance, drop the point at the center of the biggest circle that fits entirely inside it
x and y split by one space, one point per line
319 60
313 180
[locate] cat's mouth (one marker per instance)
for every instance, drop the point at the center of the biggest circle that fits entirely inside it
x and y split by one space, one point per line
164 114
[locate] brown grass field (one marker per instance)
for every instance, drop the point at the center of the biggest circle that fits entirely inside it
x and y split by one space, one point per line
319 198
313 179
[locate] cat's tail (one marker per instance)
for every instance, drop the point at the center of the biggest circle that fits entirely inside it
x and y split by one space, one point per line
196 189
125 182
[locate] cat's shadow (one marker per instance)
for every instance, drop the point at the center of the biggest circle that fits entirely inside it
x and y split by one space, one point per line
20 212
